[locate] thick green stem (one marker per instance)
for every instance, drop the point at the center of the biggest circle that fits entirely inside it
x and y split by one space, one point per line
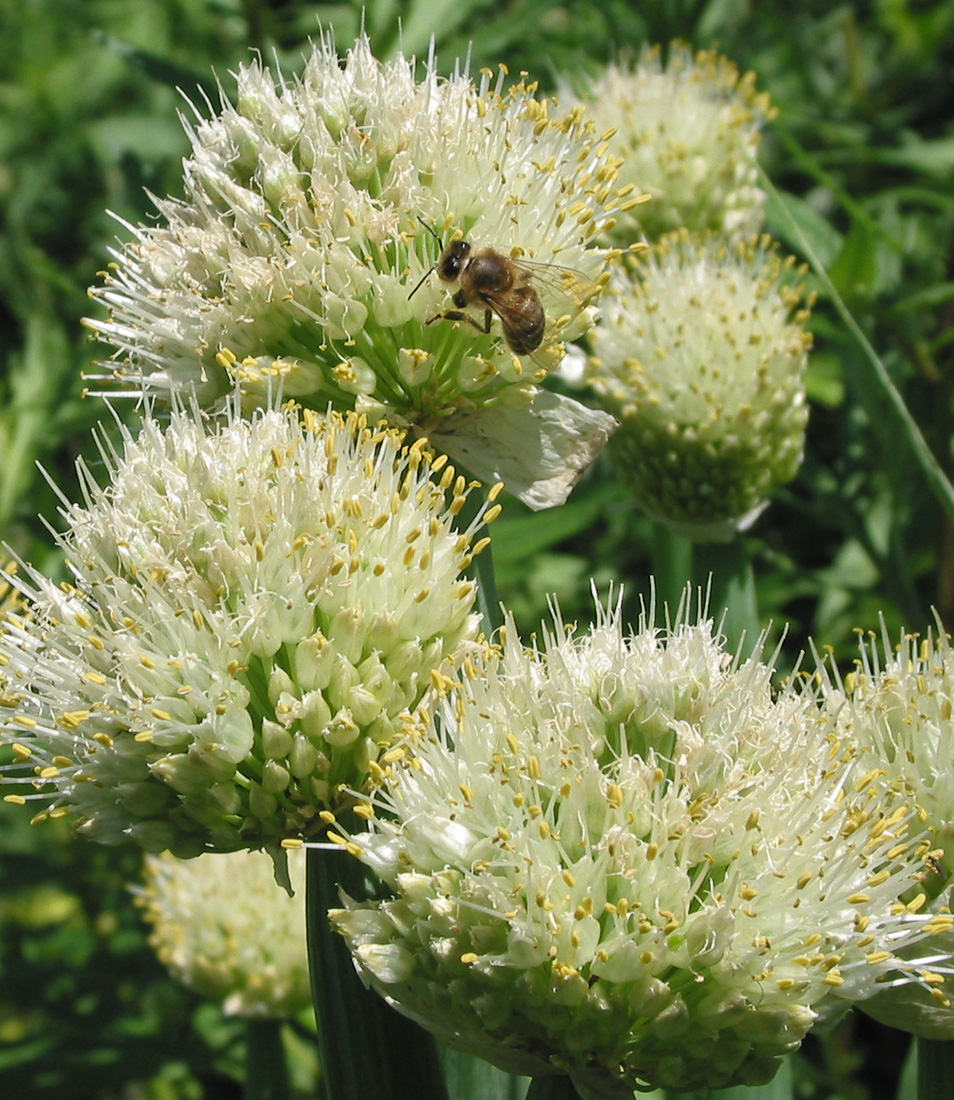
725 569
672 556
722 569
266 1066
367 1049
482 569
487 601
935 1069
552 1088
471 1078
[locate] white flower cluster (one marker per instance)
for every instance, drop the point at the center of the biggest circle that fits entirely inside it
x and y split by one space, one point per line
701 354
254 606
687 133
315 213
224 928
898 705
624 859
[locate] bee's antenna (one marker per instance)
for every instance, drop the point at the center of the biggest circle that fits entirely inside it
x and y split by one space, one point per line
431 268
421 283
432 231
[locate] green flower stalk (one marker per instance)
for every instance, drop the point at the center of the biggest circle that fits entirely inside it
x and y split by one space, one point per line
253 608
304 253
687 133
224 928
624 859
898 704
701 353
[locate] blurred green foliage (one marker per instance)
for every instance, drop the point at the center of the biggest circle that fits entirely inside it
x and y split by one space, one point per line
862 153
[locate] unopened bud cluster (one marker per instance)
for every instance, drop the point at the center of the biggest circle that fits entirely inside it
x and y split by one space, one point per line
687 132
701 353
223 926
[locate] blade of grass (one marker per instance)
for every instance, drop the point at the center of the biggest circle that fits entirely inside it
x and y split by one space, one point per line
878 374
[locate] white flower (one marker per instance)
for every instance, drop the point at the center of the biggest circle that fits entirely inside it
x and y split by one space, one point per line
253 607
228 931
315 213
624 859
688 135
898 704
700 352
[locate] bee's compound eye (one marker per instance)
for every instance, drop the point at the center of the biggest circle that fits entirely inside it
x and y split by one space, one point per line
449 268
452 260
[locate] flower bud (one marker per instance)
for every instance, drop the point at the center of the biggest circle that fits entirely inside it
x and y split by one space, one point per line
228 931
687 133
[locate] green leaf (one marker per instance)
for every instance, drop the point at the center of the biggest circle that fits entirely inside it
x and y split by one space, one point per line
35 382
926 298
428 18
876 373
494 38
522 536
143 136
781 1087
824 380
157 68
933 158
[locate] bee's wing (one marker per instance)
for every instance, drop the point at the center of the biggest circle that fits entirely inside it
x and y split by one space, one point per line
515 308
565 294
554 281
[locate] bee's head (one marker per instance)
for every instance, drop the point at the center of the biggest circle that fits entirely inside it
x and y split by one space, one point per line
452 261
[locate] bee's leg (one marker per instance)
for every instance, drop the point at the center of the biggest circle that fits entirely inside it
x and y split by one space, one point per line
459 315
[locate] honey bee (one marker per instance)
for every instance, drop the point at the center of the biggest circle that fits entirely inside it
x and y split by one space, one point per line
502 286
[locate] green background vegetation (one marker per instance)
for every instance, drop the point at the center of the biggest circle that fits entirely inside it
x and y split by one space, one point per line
863 152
